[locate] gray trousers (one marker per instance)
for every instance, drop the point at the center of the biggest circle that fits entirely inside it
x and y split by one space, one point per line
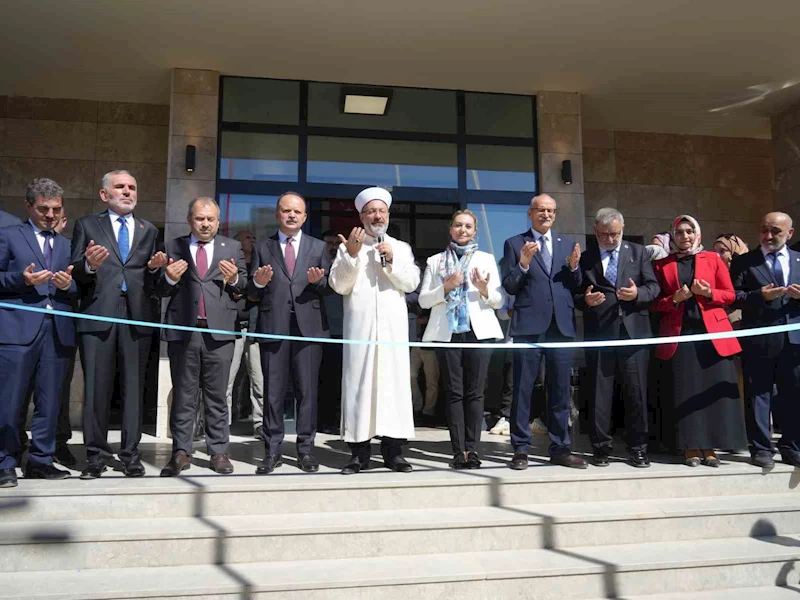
247 348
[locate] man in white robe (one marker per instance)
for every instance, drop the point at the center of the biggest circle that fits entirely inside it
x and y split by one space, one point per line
376 390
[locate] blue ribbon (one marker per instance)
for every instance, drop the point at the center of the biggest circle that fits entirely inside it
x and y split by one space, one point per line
679 339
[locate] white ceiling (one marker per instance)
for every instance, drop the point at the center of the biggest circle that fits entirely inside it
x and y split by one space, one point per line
641 64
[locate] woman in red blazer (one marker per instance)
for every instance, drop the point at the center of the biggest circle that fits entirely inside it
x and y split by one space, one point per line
695 289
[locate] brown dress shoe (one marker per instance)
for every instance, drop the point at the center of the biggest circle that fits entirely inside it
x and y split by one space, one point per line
180 461
568 460
220 464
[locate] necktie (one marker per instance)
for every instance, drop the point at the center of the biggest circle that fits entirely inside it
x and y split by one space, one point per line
124 244
777 270
547 258
611 269
48 249
290 257
201 261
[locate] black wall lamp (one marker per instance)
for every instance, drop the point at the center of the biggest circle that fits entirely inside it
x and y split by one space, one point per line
191 154
566 171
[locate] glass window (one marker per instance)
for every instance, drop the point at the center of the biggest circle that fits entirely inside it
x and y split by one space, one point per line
500 115
504 168
258 156
253 213
260 101
497 223
382 162
409 109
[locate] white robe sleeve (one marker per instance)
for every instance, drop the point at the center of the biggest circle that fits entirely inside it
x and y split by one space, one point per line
404 272
344 272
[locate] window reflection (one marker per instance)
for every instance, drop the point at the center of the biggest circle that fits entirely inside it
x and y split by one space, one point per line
258 156
244 211
497 223
501 168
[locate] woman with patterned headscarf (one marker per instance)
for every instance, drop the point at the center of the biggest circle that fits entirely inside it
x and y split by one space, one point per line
729 245
695 289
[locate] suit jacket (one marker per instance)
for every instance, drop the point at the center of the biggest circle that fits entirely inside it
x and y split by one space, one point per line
284 294
100 291
481 310
707 266
539 295
221 308
750 272
7 220
603 321
19 248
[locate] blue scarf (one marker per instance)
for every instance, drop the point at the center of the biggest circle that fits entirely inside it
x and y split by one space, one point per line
457 258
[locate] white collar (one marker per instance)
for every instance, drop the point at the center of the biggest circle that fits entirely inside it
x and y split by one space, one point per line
37 231
537 236
194 240
282 237
609 252
114 216
782 252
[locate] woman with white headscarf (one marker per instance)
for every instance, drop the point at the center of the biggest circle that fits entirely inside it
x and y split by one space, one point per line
695 289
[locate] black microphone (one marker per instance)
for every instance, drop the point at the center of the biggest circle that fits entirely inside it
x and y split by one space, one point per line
383 256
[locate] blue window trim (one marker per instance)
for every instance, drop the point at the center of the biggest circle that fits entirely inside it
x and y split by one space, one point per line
460 195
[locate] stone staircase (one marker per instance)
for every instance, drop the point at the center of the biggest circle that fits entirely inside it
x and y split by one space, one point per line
664 533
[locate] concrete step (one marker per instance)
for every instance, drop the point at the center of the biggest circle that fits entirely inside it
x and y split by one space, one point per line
286 492
760 593
87 544
568 574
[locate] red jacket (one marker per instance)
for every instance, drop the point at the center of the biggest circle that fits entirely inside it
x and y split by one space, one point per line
707 266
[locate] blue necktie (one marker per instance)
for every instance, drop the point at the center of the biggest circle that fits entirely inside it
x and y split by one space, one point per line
777 269
124 244
48 250
611 269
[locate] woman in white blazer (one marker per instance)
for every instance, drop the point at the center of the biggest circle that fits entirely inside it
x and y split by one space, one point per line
462 288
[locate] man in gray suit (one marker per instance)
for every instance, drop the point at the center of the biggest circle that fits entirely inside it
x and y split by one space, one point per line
204 272
289 275
7 220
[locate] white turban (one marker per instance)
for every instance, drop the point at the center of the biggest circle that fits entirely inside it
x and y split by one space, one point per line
370 194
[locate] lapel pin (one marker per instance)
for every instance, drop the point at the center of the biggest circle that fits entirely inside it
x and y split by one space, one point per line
223 243
559 239
141 226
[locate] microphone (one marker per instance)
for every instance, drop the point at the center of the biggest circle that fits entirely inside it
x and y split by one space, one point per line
381 232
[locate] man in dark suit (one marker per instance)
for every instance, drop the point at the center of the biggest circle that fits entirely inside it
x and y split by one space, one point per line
6 219
35 271
205 273
540 268
618 284
289 274
767 284
116 267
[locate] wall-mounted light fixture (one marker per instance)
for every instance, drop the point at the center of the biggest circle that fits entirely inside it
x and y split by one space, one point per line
191 153
566 172
361 100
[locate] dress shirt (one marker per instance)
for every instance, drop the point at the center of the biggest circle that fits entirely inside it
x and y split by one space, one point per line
606 257
42 240
282 237
782 256
209 247
115 225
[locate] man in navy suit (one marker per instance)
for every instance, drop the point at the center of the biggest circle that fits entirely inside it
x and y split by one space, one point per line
7 220
540 268
767 284
289 276
35 271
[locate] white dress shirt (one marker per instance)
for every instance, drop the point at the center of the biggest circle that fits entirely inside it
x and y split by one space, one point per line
209 247
782 256
115 225
282 237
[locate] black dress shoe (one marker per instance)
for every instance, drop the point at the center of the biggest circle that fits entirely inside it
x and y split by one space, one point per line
640 459
765 461
473 461
48 471
398 464
600 459
8 478
64 457
459 462
791 459
308 463
519 462
269 464
133 468
93 470
353 466
568 460
180 461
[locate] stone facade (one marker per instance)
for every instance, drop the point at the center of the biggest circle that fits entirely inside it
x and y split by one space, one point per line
75 142
728 184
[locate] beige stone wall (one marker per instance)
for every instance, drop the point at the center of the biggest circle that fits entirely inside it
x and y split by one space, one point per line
75 142
726 183
786 135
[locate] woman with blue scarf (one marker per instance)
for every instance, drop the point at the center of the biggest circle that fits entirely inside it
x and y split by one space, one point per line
462 288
